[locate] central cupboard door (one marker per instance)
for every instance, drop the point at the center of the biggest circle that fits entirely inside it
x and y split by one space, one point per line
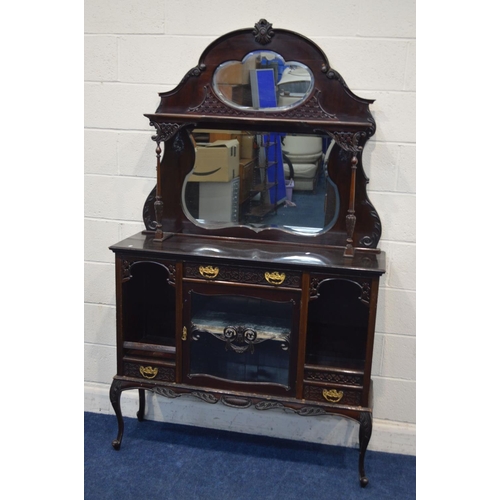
239 338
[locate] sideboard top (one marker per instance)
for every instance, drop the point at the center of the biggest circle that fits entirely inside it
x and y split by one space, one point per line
180 246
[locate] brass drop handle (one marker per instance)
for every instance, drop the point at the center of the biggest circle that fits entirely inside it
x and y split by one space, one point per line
148 371
332 395
209 272
275 278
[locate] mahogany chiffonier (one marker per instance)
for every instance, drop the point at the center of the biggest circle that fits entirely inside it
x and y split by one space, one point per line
247 288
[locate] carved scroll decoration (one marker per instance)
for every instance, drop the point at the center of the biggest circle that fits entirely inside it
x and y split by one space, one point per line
370 241
148 216
305 411
196 71
364 418
127 270
333 75
364 286
241 339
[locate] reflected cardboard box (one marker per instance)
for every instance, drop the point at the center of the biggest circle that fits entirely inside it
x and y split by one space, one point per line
217 161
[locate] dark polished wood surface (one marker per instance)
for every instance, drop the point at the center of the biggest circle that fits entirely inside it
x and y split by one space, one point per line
265 318
235 250
331 110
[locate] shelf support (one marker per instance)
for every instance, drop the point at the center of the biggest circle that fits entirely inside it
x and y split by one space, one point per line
350 220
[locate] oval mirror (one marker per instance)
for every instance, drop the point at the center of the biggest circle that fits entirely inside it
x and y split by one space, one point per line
263 80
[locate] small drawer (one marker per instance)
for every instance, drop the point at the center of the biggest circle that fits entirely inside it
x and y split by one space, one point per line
149 371
316 374
244 275
336 395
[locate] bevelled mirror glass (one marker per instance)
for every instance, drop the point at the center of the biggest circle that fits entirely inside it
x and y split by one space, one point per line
263 80
261 181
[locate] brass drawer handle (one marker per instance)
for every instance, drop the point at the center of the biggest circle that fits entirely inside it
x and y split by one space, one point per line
209 272
275 278
332 395
148 371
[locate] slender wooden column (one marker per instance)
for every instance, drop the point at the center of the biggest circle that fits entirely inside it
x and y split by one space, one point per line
158 199
350 219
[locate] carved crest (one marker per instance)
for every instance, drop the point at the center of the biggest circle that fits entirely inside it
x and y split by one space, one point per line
263 32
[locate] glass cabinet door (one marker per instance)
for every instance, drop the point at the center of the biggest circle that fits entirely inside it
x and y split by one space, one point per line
241 338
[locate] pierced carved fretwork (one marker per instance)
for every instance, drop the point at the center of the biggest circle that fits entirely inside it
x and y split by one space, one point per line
336 378
310 109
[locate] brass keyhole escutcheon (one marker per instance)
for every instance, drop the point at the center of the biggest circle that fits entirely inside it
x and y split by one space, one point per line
184 334
332 395
209 272
275 278
148 371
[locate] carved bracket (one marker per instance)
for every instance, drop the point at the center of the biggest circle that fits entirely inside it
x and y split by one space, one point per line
127 270
348 141
165 131
363 285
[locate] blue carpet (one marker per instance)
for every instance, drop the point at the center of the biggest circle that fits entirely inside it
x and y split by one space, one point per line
166 461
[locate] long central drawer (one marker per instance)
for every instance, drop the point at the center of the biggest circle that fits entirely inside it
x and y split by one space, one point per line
244 275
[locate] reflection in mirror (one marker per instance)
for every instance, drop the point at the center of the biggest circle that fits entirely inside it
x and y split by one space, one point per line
263 80
261 181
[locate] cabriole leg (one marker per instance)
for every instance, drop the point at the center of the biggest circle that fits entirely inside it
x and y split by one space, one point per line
365 432
114 396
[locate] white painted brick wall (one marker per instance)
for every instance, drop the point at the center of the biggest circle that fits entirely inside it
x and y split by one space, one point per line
135 49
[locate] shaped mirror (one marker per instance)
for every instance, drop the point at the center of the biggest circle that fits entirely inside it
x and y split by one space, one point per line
262 181
263 80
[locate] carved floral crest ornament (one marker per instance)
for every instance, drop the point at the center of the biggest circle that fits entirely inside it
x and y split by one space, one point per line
263 32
